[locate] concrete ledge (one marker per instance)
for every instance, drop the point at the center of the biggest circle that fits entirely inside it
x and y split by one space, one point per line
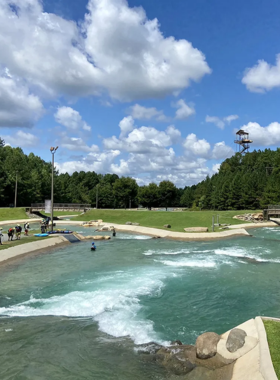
22 250
250 343
252 225
266 366
178 235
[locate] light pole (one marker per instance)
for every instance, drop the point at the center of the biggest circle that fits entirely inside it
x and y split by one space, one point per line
53 150
97 196
15 203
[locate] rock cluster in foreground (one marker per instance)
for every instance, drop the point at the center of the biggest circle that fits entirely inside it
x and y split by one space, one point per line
211 358
253 218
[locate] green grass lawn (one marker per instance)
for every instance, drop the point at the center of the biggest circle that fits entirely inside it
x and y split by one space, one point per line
23 240
12 213
62 213
157 219
273 338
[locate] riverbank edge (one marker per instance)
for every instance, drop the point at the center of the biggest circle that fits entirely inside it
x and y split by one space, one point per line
12 254
156 232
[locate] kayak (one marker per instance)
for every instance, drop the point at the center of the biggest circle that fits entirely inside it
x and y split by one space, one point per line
41 235
93 248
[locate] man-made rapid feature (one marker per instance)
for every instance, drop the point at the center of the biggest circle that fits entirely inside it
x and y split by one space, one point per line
80 315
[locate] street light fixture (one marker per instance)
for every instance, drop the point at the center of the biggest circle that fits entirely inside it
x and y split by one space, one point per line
53 150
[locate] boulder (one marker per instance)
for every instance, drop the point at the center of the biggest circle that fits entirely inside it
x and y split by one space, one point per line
148 348
128 223
98 237
235 340
206 345
196 229
177 359
136 224
167 226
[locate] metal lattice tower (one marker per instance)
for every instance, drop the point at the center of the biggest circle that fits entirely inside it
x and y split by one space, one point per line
243 141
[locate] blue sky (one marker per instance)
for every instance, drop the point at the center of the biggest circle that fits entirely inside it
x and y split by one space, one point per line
122 93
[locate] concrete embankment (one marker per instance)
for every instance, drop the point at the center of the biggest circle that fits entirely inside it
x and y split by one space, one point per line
20 251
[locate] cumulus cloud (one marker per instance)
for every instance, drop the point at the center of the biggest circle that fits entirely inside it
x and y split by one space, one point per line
184 111
222 151
117 49
71 119
18 108
144 140
221 122
202 148
263 136
98 162
263 76
147 113
22 139
126 125
197 147
76 144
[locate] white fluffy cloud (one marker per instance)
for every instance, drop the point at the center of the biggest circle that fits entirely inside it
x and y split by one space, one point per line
76 144
184 111
147 113
202 148
18 108
221 122
263 76
222 151
126 125
197 147
22 139
71 119
263 136
117 50
144 140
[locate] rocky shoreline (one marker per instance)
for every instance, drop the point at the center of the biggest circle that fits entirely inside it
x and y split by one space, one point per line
235 355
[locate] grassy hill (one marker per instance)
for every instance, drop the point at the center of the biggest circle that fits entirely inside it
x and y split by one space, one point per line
157 219
12 213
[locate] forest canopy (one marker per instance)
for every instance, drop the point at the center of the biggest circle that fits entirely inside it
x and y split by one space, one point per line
251 181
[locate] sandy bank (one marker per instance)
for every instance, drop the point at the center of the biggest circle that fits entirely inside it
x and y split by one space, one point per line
253 225
19 221
10 254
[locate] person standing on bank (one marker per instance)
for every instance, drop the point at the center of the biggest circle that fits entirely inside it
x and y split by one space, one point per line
1 236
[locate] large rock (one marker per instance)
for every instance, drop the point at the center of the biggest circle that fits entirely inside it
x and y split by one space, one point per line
235 340
167 226
98 237
148 348
196 229
136 224
206 345
177 359
128 223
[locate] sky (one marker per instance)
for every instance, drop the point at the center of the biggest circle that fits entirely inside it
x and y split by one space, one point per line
155 90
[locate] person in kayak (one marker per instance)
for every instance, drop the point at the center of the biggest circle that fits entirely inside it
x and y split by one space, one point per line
93 247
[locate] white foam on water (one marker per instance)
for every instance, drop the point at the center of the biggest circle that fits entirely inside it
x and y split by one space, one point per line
189 263
242 253
133 237
151 252
116 307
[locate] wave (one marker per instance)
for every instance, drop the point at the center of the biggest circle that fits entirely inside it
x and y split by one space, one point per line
136 237
151 252
116 308
242 254
189 263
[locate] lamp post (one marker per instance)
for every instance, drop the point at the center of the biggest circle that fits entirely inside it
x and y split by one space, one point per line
15 203
53 150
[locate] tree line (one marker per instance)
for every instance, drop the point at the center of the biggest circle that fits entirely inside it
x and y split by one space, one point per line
243 182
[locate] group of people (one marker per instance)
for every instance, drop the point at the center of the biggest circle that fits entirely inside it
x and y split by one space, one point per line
45 224
14 231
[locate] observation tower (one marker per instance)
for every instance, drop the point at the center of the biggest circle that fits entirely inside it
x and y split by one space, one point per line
243 141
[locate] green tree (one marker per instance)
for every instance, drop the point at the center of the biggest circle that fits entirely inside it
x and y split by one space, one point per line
125 191
148 196
167 191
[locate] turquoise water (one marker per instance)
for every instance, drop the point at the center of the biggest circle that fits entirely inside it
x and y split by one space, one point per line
77 314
